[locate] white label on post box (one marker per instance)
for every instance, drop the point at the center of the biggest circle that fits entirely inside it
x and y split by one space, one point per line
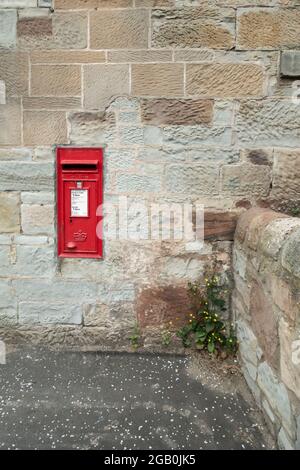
79 203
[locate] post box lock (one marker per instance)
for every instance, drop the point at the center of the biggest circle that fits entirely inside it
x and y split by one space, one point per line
79 193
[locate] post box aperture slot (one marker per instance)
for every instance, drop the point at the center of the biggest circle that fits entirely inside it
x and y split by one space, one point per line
78 167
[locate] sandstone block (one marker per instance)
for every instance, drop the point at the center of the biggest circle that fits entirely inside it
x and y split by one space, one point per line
104 82
19 154
176 268
28 176
225 80
48 313
10 123
245 221
37 219
51 102
35 261
193 27
119 29
274 235
289 356
9 212
45 127
284 441
18 3
91 4
139 56
91 127
34 290
219 225
176 112
8 30
258 225
268 28
55 80
286 174
14 72
267 123
264 322
157 79
196 179
184 136
276 393
134 183
291 252
246 179
290 63
67 57
64 30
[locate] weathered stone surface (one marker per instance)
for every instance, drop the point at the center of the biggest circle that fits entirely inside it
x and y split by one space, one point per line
219 225
67 57
33 261
90 127
193 27
291 252
268 28
264 322
20 154
139 56
37 219
246 179
289 356
34 27
290 64
40 197
55 80
28 176
183 136
196 179
18 3
81 4
114 319
193 55
9 212
8 21
30 240
157 79
14 72
258 156
269 122
133 183
45 127
182 268
10 123
224 80
258 225
119 29
273 236
33 290
244 222
134 135
275 392
286 174
284 442
104 82
48 312
176 112
8 310
52 102
2 92
248 345
167 306
68 31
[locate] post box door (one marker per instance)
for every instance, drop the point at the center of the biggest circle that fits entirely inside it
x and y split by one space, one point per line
80 217
79 195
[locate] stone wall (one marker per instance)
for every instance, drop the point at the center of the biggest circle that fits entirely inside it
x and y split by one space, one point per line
191 106
266 307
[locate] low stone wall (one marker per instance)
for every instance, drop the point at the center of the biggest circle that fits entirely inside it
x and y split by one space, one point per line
266 307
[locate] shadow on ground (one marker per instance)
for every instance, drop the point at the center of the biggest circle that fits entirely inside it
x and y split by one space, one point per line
76 400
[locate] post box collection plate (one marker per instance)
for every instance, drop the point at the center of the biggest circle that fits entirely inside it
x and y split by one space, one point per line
79 195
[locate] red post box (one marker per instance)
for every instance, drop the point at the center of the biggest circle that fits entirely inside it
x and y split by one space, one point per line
79 193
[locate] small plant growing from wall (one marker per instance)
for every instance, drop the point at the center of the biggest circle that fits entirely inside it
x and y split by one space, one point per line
205 328
135 337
